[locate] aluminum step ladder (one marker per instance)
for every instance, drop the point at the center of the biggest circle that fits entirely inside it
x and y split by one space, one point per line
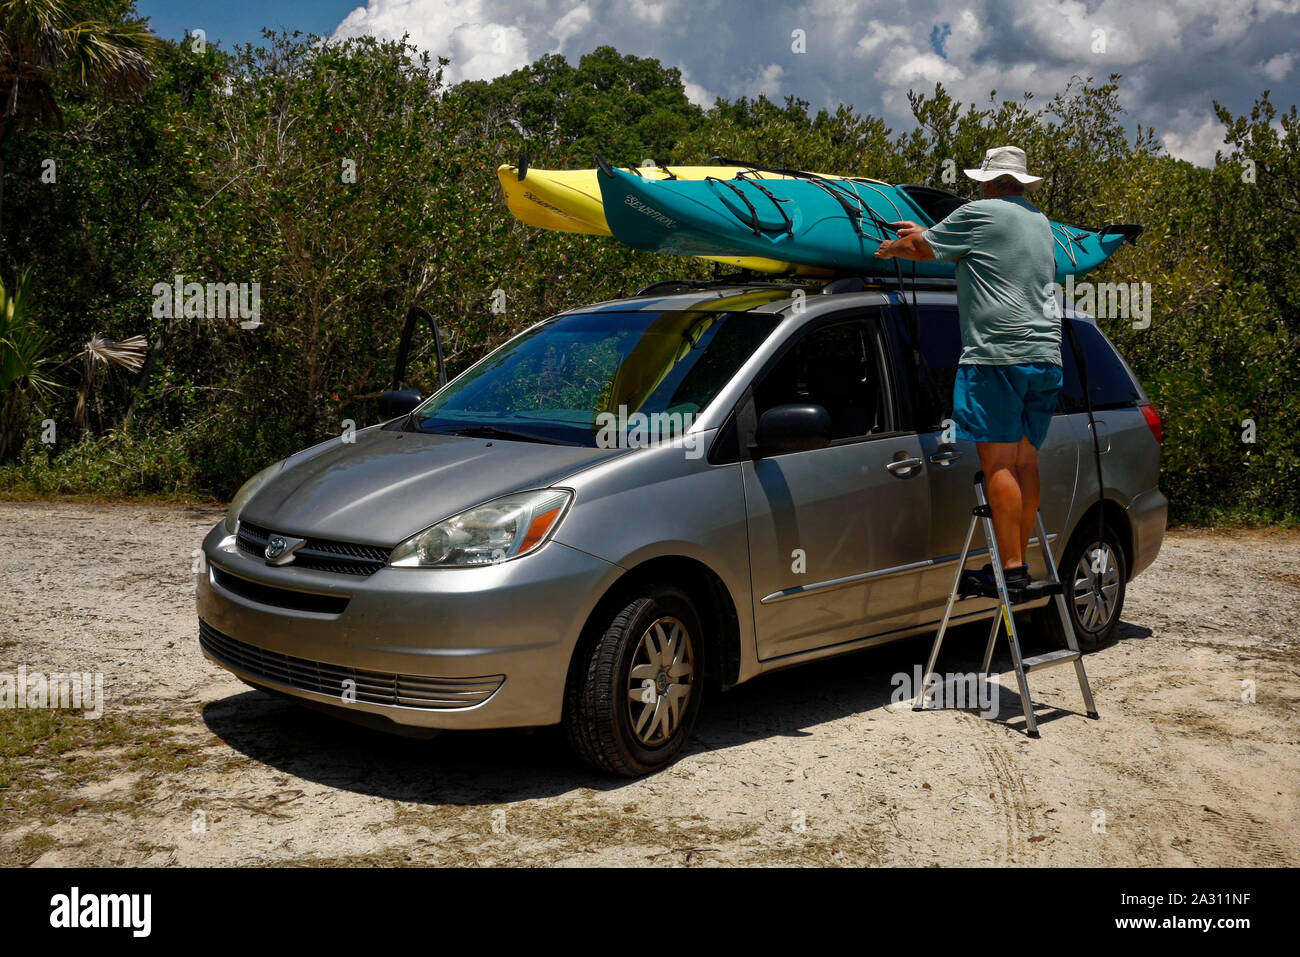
1007 601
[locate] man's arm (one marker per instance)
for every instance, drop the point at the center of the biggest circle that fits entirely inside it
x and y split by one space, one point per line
910 244
946 241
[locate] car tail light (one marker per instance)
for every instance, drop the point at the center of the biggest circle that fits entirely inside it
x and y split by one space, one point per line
1153 420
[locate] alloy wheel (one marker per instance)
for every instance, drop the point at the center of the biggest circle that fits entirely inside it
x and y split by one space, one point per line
1096 587
660 681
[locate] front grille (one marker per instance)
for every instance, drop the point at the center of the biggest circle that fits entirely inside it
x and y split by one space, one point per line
374 687
280 597
345 558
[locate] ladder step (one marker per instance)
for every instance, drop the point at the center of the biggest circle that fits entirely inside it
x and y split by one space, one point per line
1018 596
1038 662
1039 589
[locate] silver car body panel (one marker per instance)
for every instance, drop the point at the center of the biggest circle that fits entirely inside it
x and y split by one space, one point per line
820 552
519 619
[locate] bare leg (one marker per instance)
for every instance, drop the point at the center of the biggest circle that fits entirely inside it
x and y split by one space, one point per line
998 459
1027 477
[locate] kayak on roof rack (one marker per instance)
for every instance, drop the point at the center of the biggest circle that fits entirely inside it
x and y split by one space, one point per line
805 219
568 200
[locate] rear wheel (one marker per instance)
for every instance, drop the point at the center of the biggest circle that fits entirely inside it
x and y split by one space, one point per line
1094 572
635 690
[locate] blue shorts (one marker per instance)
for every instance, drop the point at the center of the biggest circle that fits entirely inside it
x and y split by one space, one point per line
1003 403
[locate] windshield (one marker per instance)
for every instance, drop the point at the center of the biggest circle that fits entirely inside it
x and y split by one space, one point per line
599 379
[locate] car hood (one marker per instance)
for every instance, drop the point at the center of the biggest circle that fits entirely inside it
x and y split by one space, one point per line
386 485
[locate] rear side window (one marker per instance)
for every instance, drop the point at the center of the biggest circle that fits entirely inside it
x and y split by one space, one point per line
940 350
1108 379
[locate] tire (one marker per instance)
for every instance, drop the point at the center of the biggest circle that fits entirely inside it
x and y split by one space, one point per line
1094 614
635 690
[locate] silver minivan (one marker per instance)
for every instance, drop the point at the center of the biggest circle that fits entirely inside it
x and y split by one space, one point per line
635 502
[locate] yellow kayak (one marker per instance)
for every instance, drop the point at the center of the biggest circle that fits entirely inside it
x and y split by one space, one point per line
568 200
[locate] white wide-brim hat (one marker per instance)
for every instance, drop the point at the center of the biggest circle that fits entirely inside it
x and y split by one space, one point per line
1005 161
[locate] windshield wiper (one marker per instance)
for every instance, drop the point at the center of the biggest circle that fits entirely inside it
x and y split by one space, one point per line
492 432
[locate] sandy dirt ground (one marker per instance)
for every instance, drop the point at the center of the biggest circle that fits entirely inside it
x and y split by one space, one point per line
811 766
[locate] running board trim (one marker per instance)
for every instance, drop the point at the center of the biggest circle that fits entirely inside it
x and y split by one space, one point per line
799 591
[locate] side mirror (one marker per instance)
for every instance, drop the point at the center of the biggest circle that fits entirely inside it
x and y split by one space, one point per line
792 428
397 403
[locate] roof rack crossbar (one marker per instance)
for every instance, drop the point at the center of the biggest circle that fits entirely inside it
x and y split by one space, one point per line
735 279
830 285
841 284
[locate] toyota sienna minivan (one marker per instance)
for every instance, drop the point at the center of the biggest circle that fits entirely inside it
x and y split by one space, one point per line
632 505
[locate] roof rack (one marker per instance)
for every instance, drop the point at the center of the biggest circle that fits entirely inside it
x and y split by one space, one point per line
829 285
734 279
886 284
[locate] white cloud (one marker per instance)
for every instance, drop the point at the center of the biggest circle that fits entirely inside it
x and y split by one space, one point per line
768 81
1278 67
965 33
879 35
650 11
1068 30
696 93
570 24
1197 140
920 68
478 45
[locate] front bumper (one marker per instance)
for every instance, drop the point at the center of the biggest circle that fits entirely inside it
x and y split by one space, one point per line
481 647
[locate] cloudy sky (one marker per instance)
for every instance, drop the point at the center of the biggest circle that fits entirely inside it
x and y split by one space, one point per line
1177 55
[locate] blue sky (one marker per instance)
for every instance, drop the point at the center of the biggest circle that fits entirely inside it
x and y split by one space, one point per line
1177 56
242 22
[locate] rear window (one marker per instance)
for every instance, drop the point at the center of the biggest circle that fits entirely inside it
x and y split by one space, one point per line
1108 378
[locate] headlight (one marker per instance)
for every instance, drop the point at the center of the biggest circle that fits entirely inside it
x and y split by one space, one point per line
246 492
502 529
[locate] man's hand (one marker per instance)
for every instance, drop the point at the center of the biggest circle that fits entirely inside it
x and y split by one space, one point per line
910 244
905 228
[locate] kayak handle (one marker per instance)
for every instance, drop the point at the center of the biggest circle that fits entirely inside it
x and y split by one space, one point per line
1130 231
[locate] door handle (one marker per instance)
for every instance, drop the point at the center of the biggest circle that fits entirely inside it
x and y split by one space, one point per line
904 468
1103 434
946 457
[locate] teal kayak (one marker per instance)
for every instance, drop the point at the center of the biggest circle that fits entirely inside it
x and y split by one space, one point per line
829 223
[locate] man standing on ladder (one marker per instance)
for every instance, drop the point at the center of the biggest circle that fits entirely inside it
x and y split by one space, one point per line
1010 368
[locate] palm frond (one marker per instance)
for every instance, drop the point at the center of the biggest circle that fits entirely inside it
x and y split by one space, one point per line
32 30
43 39
24 354
112 57
24 346
127 353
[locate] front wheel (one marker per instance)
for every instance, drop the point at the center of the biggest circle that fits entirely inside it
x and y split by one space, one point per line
635 691
1094 572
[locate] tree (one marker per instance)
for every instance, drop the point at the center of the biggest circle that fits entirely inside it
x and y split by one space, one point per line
1258 190
98 43
629 108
